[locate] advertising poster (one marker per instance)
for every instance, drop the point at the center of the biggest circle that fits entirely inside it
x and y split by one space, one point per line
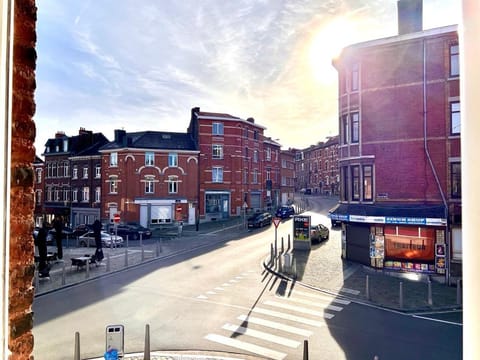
301 232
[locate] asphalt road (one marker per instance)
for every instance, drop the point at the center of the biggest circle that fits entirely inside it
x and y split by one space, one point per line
220 298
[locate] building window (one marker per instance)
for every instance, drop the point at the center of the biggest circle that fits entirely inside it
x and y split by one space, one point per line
255 176
173 159
255 156
66 169
355 127
113 159
98 192
245 176
355 183
38 172
367 183
173 184
454 61
217 151
255 135
98 171
344 180
149 185
217 128
75 172
149 159
56 195
217 174
246 152
355 77
38 197
268 174
268 155
54 170
456 178
455 117
345 129
85 194
113 184
85 172
66 194
74 195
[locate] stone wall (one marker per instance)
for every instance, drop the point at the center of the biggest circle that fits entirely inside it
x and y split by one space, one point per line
21 269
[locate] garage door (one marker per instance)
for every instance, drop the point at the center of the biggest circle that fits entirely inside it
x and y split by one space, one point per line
358 243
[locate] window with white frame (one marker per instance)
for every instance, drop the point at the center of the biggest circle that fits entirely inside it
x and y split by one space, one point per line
149 158
255 156
245 176
284 164
66 169
172 184
367 183
255 176
66 195
38 197
38 174
74 195
455 117
149 185
456 179
85 172
173 159
54 169
355 127
113 184
454 60
217 151
85 194
75 172
355 173
98 171
98 193
56 194
345 129
217 128
268 155
217 174
113 159
355 77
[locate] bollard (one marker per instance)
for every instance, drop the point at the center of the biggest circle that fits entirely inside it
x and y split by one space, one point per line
76 353
459 292
401 295
280 264
305 349
367 288
143 253
272 258
108 262
146 349
64 277
289 248
87 273
283 248
429 299
126 257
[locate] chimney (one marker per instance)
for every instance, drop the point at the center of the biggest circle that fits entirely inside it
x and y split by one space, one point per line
59 134
83 131
410 16
121 137
251 120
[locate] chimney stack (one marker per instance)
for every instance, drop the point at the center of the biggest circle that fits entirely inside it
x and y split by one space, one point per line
410 16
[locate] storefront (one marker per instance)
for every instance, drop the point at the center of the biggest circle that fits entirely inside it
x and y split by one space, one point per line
406 238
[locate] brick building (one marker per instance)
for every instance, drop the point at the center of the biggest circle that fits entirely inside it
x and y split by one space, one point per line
232 175
399 151
38 188
287 175
150 177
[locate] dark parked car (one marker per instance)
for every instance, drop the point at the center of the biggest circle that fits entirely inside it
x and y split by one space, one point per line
319 233
146 232
81 229
132 232
260 220
285 212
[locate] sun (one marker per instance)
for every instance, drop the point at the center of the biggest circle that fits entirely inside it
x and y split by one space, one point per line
326 44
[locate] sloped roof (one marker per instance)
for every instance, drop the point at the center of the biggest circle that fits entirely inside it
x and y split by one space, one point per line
153 140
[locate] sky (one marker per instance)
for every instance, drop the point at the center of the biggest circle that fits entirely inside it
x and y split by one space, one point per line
143 64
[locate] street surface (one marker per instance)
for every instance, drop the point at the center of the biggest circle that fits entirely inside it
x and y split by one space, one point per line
221 298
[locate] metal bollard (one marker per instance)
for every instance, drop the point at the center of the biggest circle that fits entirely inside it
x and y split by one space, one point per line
459 292
126 257
76 353
272 258
87 273
64 274
283 248
108 262
289 242
305 349
146 349
429 299
367 287
276 251
401 295
143 253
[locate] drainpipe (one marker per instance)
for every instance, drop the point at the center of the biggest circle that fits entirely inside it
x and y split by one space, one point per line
427 153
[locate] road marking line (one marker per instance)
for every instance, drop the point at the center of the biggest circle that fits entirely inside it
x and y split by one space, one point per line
261 335
437 320
285 316
211 292
316 296
275 325
271 354
311 303
226 284
202 297
349 291
299 309
219 289
239 277
233 281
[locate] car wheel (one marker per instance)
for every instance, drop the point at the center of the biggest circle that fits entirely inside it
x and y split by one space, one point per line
83 243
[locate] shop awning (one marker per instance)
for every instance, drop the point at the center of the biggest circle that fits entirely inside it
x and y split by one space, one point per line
407 214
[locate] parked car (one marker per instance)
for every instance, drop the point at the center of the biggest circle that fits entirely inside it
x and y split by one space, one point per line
146 232
133 232
81 229
108 240
260 220
319 233
285 212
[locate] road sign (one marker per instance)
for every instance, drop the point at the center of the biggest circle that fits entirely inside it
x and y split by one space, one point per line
276 221
116 218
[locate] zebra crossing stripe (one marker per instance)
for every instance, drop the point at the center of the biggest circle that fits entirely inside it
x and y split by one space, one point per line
299 309
316 296
311 303
242 345
203 297
261 335
275 325
284 316
350 291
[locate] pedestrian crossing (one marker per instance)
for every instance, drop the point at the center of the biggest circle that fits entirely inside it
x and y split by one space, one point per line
277 325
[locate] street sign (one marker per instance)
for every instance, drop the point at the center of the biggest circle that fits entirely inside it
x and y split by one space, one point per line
276 221
116 218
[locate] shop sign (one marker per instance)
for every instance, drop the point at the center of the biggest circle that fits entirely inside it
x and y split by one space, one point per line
368 219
